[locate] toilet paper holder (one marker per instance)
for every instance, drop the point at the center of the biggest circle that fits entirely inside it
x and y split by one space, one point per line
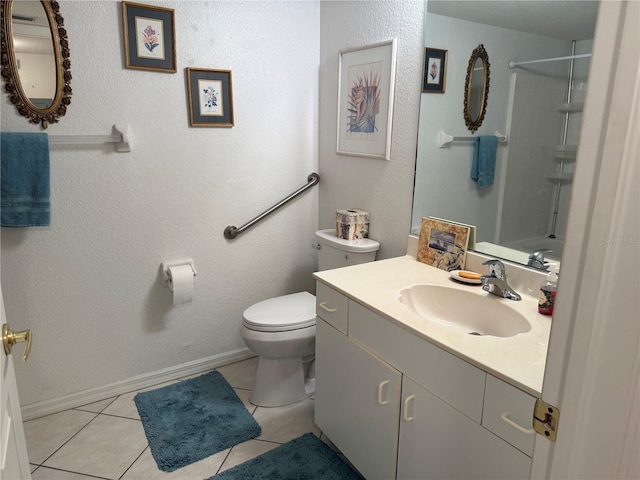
166 277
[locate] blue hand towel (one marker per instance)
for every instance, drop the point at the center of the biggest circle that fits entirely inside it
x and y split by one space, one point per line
484 160
24 179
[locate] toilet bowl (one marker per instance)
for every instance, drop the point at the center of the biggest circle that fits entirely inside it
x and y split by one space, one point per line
282 330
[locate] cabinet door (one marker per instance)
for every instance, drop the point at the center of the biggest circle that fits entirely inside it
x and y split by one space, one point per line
357 403
439 442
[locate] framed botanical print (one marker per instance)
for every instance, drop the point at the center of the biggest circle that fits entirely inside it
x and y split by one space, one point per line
434 77
210 97
149 37
366 82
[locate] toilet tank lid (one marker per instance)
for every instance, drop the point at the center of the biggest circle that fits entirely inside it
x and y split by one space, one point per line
363 245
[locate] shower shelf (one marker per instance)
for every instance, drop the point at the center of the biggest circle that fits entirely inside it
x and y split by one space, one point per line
570 107
565 151
559 175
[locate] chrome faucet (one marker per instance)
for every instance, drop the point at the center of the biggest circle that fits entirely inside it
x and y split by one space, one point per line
496 282
536 259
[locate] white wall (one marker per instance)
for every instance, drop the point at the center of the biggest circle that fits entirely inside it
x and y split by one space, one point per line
88 285
444 187
383 188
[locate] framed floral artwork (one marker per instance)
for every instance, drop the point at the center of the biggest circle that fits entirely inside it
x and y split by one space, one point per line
443 244
366 81
149 37
435 70
210 97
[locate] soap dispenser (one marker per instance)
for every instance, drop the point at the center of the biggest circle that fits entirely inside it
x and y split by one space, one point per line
547 295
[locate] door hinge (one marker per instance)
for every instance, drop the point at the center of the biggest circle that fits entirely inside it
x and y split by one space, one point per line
545 419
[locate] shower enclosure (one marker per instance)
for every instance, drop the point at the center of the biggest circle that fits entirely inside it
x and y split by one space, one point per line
545 117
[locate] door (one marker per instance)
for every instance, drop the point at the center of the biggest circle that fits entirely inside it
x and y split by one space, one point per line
439 442
357 402
14 461
593 368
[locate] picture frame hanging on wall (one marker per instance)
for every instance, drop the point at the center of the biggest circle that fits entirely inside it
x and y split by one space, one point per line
366 83
434 77
443 244
149 37
210 95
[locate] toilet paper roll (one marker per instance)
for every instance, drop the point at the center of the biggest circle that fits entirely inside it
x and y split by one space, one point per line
181 284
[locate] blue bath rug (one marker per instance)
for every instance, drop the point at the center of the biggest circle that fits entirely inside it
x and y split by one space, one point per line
193 419
304 458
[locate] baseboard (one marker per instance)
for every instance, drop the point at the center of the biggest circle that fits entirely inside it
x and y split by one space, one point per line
85 397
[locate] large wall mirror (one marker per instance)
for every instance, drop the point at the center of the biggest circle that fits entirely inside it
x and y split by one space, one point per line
536 102
35 59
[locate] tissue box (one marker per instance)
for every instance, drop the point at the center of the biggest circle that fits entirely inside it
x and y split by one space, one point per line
352 224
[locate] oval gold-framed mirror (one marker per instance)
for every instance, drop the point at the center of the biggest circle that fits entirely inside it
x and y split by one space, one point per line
35 59
476 88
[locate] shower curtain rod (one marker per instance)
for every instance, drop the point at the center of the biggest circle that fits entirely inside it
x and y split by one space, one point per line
514 64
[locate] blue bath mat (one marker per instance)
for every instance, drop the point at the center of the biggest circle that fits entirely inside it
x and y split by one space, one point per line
304 458
193 419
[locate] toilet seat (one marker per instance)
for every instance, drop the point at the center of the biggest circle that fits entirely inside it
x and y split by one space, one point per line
281 314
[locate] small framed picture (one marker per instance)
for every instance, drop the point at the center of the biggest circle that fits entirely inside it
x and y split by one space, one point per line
366 83
443 244
149 37
435 70
210 97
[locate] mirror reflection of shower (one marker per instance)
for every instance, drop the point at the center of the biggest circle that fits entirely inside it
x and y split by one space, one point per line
546 117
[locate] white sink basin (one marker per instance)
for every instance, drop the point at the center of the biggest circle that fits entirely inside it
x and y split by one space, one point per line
475 313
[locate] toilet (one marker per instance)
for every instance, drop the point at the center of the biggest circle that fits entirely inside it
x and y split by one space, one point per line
282 330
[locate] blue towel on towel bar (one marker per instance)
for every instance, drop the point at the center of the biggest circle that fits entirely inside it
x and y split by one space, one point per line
483 167
24 179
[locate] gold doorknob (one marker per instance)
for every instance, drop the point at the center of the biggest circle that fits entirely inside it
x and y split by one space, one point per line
9 339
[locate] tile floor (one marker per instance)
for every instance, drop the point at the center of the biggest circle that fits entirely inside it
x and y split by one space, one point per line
106 440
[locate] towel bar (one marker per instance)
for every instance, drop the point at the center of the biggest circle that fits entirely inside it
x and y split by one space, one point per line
121 140
444 139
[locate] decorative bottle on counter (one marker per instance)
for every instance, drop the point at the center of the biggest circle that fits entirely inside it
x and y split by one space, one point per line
547 296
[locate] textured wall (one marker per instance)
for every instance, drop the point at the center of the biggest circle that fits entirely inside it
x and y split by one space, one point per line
383 188
88 285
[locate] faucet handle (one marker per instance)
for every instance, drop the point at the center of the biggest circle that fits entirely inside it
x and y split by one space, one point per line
539 254
496 269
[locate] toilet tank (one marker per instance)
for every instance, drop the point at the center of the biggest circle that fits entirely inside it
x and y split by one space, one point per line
334 252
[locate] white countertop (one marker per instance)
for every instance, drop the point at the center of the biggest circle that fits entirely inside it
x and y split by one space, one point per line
518 360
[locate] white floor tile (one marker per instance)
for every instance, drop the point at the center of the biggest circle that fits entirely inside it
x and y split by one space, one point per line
105 448
281 424
246 451
106 439
244 395
123 406
240 374
46 434
146 468
44 473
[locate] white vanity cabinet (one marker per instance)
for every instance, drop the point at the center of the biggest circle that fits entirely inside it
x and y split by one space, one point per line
357 403
398 406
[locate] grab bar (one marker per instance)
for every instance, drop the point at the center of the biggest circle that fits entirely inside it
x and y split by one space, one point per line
232 232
